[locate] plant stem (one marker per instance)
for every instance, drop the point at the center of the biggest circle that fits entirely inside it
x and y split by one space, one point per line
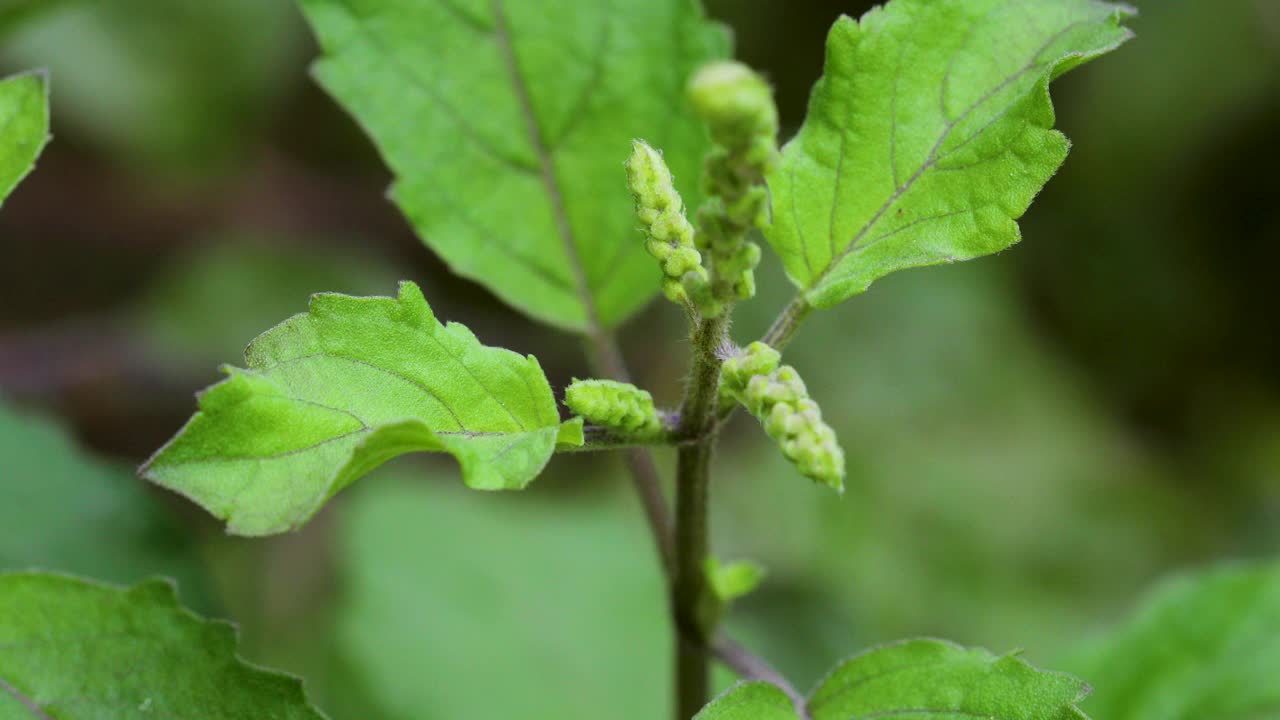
596 437
606 360
690 594
749 666
787 322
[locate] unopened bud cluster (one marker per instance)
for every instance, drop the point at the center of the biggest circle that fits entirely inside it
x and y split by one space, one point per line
777 396
670 236
621 407
737 106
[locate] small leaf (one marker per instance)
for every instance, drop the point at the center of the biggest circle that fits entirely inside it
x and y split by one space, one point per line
936 679
77 649
750 701
571 434
332 394
928 136
506 124
24 115
1203 646
734 580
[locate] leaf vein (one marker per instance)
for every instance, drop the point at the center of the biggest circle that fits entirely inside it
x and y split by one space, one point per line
546 166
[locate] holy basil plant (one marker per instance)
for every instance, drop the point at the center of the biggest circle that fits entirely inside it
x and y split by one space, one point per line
550 150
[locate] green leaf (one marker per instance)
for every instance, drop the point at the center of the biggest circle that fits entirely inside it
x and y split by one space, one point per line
57 506
733 580
24 117
750 701
1203 646
571 434
506 124
917 679
77 649
332 394
936 679
928 136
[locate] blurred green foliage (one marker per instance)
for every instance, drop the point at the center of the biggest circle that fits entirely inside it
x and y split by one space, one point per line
1031 440
1204 644
179 85
558 597
62 511
255 280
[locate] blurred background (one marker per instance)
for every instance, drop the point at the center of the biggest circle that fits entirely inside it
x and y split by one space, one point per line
1032 438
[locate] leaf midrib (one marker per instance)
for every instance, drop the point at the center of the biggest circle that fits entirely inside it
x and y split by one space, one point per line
502 38
31 705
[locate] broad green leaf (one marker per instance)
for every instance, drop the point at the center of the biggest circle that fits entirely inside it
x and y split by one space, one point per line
78 650
750 701
24 127
928 136
936 679
506 124
1204 646
917 679
61 510
332 394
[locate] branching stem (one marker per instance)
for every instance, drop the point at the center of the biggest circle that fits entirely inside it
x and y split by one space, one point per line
787 322
597 437
607 361
750 666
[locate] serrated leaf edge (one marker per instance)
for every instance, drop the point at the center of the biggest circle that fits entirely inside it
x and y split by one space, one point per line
164 591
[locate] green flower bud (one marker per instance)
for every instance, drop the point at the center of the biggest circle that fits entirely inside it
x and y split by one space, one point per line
777 396
658 205
650 179
674 290
671 238
735 102
757 359
621 407
737 106
680 261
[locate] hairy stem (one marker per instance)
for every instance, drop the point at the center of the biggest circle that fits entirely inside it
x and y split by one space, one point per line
597 437
787 322
607 361
690 593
